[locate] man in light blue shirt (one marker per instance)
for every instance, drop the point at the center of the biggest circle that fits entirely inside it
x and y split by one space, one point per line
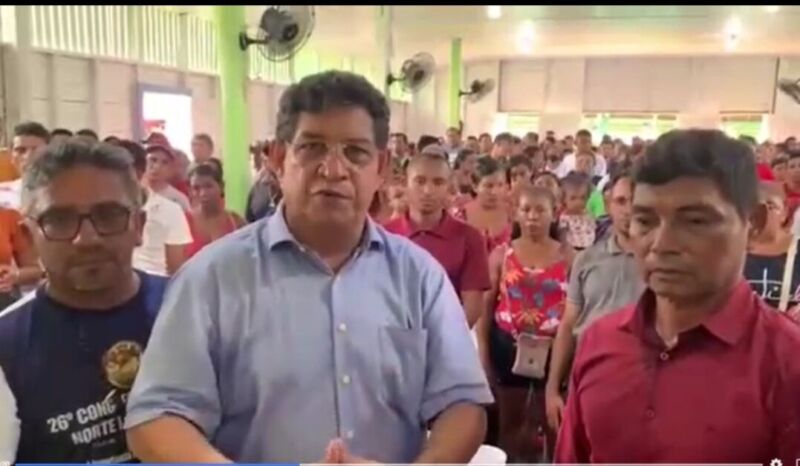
313 335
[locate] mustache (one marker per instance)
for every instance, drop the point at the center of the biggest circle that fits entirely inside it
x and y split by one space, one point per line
90 255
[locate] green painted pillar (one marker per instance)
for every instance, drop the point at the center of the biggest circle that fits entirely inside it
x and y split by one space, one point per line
454 115
229 22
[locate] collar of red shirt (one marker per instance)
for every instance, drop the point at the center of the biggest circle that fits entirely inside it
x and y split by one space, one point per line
445 229
728 323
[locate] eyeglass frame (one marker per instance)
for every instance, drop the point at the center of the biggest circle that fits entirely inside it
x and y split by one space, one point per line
129 211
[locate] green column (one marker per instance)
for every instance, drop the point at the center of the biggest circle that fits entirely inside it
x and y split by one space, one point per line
454 115
229 22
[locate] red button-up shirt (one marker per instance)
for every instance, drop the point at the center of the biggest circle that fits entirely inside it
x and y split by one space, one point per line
457 246
728 392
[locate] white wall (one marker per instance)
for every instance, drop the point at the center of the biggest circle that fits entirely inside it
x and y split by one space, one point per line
77 92
697 89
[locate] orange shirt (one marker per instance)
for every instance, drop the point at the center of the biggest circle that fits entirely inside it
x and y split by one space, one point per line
12 239
8 172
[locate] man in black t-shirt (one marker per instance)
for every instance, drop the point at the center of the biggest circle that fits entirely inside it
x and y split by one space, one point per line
71 350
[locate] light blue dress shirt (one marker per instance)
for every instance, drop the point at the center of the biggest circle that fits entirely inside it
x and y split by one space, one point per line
272 356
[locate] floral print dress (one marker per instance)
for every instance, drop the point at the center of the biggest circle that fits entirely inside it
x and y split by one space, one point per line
531 300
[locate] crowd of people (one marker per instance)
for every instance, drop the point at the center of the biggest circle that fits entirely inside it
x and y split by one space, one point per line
562 298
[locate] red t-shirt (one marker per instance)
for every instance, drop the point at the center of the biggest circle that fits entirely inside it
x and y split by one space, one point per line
726 393
457 246
764 172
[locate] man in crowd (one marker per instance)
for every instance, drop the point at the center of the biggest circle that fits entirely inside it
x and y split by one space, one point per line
648 366
70 351
264 195
583 144
202 148
161 167
604 278
459 247
166 232
60 135
485 144
453 142
399 150
29 138
88 135
315 335
503 146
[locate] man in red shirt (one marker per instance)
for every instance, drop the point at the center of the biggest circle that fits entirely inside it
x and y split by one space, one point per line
457 246
700 370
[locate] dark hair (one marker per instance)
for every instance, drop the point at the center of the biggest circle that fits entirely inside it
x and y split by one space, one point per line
485 135
472 138
530 152
153 148
615 178
550 174
748 139
518 160
457 130
791 155
702 153
487 166
205 138
780 160
216 163
504 137
137 153
32 128
400 135
88 133
576 180
462 157
582 133
433 154
426 140
208 170
516 140
112 140
320 92
61 132
59 158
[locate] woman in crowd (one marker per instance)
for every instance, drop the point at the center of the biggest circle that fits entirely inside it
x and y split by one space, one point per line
19 265
526 301
550 182
208 219
520 171
489 211
766 255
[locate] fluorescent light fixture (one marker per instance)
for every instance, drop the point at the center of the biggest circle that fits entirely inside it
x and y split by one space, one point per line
772 8
494 11
733 27
526 36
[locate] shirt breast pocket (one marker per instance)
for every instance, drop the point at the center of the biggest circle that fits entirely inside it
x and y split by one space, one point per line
402 363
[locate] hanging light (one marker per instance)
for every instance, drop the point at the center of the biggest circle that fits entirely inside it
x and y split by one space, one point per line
772 8
494 11
526 36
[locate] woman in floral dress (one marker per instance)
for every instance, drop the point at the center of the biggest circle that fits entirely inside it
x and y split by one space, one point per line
529 280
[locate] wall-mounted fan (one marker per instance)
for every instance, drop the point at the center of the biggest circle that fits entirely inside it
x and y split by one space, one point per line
478 90
415 72
282 31
790 88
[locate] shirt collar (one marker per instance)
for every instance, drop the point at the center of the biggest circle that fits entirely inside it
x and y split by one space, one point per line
728 323
612 245
278 232
444 229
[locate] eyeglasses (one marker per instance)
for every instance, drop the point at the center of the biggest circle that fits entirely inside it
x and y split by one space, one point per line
310 152
63 224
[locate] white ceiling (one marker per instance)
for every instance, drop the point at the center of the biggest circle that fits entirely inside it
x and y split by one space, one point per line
562 30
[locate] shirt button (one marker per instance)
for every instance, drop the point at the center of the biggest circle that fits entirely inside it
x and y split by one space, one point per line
342 328
349 435
664 356
650 414
346 380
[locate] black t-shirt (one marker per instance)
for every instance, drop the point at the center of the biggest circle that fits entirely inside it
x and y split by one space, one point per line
70 371
765 275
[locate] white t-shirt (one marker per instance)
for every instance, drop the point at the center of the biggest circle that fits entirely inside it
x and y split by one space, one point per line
568 164
10 194
176 196
165 224
9 423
